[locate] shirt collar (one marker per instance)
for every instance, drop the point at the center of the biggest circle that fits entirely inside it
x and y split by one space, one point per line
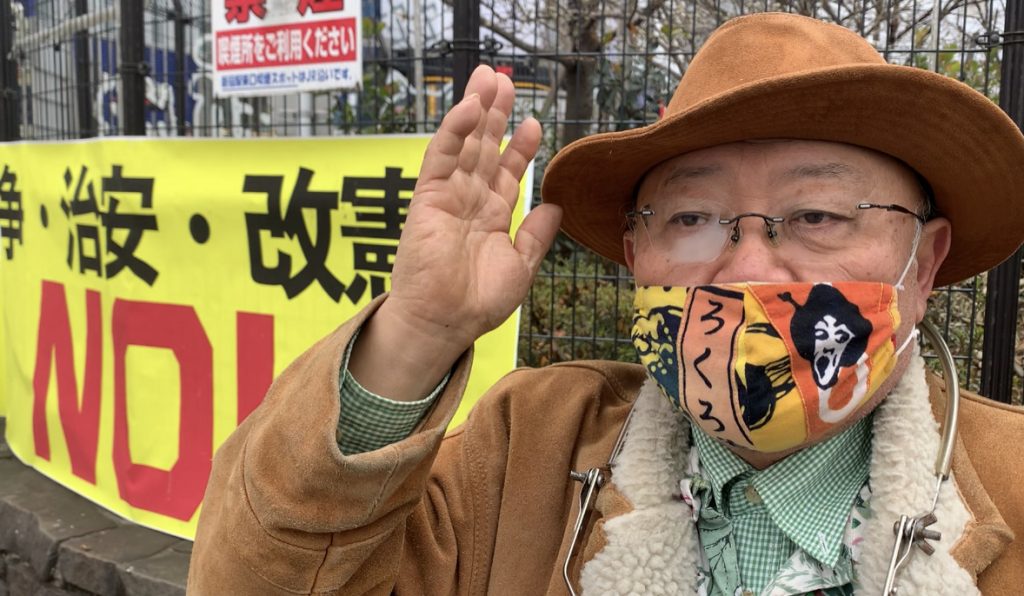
718 464
828 474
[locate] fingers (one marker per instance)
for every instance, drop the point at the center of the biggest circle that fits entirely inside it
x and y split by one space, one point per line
482 82
535 235
516 158
442 155
470 136
486 81
458 136
495 127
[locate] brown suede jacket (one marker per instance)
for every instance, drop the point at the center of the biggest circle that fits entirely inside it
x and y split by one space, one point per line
489 508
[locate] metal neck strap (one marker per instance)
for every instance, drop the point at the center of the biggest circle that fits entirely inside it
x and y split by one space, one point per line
913 531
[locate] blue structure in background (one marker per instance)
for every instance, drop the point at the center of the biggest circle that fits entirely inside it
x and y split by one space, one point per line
163 63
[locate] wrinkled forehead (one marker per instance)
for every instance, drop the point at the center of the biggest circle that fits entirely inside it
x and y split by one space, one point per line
753 166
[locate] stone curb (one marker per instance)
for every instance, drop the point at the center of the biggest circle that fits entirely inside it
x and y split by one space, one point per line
55 543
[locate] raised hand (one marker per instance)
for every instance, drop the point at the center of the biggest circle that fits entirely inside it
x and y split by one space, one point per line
457 274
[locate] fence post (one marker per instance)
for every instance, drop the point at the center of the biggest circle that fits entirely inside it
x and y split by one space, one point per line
83 84
465 44
998 343
179 74
9 93
132 101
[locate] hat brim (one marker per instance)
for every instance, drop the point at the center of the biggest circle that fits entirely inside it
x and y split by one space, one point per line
969 150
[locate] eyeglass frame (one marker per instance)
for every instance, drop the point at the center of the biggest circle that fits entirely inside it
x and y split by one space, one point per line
771 220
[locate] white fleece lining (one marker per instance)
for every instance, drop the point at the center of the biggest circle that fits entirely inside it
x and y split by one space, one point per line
653 549
903 483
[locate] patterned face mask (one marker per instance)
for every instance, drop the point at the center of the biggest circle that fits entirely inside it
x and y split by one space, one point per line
768 366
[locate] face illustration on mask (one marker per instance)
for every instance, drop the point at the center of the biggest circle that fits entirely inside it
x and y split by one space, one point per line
830 341
838 330
768 367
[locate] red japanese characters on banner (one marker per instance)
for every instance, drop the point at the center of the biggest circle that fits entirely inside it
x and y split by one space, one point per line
300 45
287 45
176 492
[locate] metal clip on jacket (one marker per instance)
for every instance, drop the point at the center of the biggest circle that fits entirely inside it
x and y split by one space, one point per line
593 479
913 531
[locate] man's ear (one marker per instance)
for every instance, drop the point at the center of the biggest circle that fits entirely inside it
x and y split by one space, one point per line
936 237
627 248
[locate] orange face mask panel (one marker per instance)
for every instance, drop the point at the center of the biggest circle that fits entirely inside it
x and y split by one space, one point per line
768 367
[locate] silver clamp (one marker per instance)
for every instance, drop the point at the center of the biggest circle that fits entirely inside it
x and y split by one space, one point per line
910 532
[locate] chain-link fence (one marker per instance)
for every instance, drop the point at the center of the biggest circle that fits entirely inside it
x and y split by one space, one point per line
84 68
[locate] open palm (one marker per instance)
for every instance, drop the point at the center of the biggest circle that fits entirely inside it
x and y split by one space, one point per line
457 273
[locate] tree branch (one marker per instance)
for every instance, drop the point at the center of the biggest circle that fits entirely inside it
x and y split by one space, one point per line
827 7
943 12
498 29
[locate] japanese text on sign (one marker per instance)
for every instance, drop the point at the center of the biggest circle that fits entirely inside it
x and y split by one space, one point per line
152 289
300 45
287 45
98 225
374 246
239 10
11 214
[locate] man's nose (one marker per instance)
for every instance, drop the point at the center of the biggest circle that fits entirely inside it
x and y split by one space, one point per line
753 257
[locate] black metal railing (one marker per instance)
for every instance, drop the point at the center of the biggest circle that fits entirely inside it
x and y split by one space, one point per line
90 68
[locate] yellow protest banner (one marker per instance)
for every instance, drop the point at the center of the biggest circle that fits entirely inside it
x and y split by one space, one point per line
150 290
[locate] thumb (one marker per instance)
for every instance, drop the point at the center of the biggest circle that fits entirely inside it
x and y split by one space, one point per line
535 235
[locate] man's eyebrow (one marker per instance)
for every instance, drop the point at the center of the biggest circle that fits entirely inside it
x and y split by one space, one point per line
692 172
822 170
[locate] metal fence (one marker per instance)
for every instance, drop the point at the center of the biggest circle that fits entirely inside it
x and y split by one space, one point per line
85 68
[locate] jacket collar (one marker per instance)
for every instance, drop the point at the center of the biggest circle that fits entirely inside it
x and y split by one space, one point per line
650 541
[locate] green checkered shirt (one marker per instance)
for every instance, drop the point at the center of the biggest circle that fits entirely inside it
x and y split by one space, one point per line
369 421
802 502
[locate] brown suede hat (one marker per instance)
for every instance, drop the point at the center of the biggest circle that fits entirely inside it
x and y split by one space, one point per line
783 76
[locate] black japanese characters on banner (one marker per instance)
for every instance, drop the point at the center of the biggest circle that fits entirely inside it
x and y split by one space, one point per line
380 206
11 213
384 202
108 223
108 217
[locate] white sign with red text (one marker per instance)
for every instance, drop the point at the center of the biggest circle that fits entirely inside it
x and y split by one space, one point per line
262 47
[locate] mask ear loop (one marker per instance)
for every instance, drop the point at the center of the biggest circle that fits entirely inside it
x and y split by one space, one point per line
900 287
910 261
913 335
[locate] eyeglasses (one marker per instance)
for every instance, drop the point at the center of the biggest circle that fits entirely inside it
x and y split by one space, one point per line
696 231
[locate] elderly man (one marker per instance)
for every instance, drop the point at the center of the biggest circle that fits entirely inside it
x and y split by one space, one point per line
785 224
